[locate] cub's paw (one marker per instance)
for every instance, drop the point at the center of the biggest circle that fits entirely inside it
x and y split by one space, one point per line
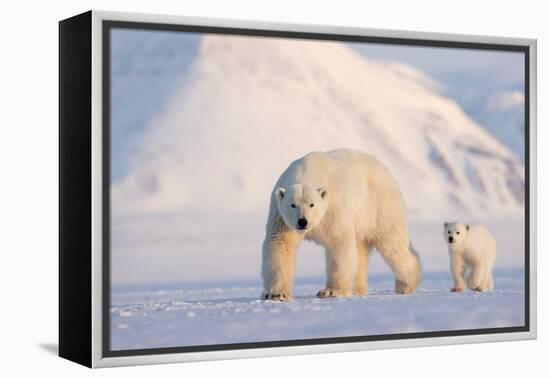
332 293
480 288
457 289
275 295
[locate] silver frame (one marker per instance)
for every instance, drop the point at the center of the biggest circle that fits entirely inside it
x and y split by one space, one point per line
97 358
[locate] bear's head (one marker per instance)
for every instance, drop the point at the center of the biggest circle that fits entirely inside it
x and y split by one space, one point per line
302 207
455 232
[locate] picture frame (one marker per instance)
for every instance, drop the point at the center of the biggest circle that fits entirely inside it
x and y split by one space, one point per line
85 153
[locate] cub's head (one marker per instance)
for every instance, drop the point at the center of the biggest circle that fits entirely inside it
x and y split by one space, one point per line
455 232
302 207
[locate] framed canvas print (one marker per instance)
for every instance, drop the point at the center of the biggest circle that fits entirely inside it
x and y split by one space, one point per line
235 189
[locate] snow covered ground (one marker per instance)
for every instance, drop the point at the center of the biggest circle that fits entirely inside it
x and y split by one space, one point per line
230 312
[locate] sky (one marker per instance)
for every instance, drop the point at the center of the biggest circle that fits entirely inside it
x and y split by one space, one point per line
439 61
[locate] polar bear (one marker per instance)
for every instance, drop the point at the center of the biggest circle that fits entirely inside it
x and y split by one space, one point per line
348 202
472 248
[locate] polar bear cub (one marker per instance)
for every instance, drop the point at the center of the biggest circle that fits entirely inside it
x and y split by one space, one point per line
472 250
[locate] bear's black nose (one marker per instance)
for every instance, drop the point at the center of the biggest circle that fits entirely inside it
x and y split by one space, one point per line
302 223
451 239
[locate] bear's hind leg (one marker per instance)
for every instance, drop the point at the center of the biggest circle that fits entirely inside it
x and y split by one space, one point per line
405 264
477 277
487 283
490 285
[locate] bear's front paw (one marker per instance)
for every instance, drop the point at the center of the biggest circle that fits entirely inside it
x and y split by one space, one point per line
331 293
457 289
275 295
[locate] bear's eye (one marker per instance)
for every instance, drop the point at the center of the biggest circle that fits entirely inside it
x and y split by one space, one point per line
293 205
458 233
449 232
311 205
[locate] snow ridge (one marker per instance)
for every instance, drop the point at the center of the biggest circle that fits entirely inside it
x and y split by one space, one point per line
248 106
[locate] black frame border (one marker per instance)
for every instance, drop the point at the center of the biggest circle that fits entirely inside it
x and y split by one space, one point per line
108 25
75 189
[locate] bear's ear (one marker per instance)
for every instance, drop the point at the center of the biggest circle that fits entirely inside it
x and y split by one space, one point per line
445 225
322 192
280 193
467 227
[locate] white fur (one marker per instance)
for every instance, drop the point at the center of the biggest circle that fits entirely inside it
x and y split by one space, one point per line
357 206
472 252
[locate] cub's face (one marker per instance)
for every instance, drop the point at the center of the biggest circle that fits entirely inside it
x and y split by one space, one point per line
301 207
455 233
